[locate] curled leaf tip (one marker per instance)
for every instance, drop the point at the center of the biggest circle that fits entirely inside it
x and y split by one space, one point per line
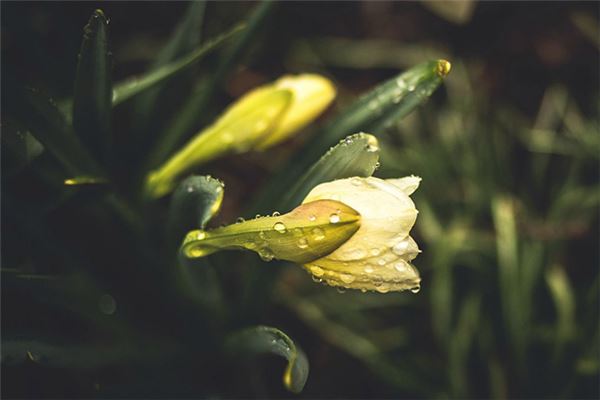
443 68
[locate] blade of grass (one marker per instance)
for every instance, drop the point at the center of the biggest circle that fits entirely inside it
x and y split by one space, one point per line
133 86
150 106
39 115
93 88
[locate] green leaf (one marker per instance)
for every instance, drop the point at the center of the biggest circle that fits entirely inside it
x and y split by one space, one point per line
195 201
19 146
390 101
93 87
190 118
131 87
39 115
356 155
266 340
150 106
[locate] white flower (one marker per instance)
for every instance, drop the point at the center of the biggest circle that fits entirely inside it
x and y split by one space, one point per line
376 257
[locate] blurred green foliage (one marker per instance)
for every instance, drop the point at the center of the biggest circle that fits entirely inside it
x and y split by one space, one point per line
97 303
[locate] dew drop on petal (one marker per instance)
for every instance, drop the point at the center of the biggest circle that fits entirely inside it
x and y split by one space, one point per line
262 235
276 213
381 262
302 243
375 252
400 247
416 289
347 278
369 269
317 271
401 266
312 218
356 181
240 220
383 288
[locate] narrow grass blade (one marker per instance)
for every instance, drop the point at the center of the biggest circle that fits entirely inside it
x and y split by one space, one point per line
93 87
148 109
508 274
133 86
266 340
19 147
39 115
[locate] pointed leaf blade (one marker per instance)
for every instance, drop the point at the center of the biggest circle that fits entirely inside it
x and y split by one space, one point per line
133 86
264 340
93 87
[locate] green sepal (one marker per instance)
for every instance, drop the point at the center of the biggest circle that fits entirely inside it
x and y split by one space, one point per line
304 234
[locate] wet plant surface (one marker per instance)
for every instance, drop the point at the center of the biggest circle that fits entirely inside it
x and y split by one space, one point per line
182 213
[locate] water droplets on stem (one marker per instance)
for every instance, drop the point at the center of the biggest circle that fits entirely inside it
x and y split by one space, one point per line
280 227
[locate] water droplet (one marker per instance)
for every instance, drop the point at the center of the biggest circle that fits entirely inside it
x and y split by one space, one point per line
315 279
279 227
416 289
340 290
381 262
369 269
400 247
276 213
363 290
107 304
334 218
257 216
356 181
375 252
347 278
317 271
383 288
318 234
262 235
401 266
400 83
240 220
297 232
302 243
265 254
200 235
312 218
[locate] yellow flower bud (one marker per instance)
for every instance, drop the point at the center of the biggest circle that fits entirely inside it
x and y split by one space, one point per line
377 257
260 119
311 95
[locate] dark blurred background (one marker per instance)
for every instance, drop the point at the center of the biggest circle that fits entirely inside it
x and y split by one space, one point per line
513 62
